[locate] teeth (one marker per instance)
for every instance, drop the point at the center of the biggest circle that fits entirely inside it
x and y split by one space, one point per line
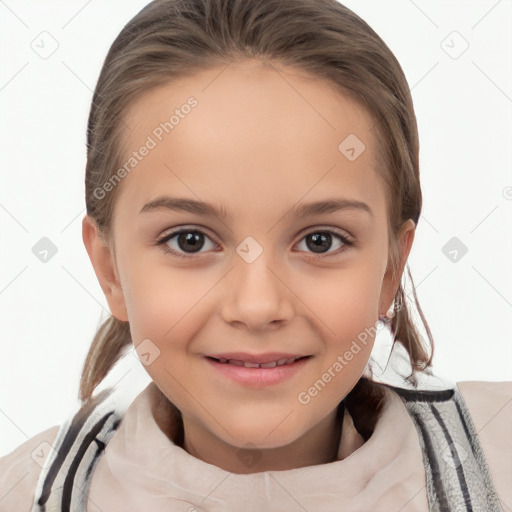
271 364
252 365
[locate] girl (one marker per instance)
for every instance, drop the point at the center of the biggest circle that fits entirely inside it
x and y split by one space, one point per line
278 139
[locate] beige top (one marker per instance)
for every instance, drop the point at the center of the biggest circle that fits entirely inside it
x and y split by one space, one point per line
142 470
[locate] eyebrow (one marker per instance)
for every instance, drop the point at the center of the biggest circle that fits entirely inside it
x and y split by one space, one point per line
298 211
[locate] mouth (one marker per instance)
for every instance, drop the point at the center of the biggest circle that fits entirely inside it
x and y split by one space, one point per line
254 373
253 364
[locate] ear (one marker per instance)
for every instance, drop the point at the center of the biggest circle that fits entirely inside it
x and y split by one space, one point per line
103 261
391 282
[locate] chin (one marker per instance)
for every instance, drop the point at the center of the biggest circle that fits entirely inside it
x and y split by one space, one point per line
263 436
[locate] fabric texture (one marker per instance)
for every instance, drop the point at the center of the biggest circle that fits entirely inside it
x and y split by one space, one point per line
437 446
92 467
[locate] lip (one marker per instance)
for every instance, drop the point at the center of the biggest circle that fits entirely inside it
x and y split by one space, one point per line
267 357
258 377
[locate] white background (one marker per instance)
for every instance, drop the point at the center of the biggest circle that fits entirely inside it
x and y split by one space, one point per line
50 311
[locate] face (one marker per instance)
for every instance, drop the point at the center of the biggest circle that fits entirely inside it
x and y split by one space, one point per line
257 274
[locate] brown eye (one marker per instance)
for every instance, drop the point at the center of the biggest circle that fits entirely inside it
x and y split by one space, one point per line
320 241
188 241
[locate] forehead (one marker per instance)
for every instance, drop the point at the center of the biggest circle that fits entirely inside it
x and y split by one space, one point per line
255 131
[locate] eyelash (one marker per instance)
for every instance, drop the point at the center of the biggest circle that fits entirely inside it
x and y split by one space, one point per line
347 241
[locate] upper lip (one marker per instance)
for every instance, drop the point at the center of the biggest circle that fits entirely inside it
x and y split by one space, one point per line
256 358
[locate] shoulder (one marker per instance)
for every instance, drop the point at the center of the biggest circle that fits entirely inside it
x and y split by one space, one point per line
481 395
20 470
490 407
57 449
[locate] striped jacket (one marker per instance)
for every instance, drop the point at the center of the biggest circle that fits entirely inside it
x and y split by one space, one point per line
457 475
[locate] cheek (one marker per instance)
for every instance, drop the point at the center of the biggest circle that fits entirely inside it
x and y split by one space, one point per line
164 305
163 320
346 301
346 314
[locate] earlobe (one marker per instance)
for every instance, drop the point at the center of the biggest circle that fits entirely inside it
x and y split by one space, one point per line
104 266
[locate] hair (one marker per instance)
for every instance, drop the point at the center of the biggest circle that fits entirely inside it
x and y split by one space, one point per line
171 39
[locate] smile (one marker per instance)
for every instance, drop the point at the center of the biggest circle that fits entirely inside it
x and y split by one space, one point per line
248 364
253 374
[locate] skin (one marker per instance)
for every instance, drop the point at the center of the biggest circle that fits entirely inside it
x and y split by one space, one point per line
261 140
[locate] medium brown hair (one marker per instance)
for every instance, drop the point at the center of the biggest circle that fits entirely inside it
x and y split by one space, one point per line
170 39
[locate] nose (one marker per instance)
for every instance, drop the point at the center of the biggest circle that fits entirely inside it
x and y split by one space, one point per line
256 294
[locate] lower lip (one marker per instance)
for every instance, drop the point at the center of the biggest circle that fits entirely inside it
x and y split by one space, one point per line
258 377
